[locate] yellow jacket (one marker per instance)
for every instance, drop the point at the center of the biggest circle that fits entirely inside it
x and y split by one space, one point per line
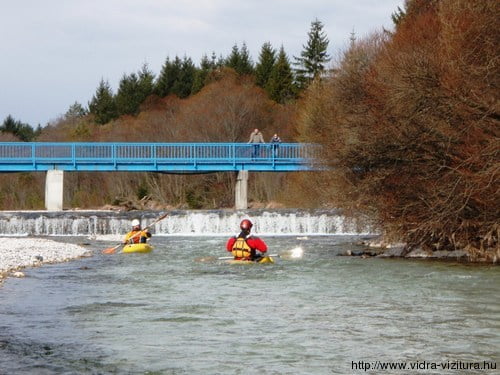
136 236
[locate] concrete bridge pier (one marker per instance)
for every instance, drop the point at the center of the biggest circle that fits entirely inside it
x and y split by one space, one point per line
241 191
54 190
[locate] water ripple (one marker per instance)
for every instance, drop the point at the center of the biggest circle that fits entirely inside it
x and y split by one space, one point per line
166 313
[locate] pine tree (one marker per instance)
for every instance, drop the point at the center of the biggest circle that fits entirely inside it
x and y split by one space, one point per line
233 60
75 112
146 82
183 83
127 98
352 38
9 125
246 64
280 84
218 61
133 90
313 58
201 74
103 105
398 16
240 60
267 59
168 75
23 131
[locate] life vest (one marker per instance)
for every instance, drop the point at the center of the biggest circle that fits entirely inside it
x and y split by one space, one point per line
137 237
241 250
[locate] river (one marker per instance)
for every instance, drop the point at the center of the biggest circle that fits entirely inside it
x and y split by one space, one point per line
168 312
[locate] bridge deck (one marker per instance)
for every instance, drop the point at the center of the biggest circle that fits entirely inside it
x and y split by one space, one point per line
155 157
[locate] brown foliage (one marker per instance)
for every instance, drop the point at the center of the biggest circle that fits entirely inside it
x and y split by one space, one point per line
8 137
413 126
14 194
226 110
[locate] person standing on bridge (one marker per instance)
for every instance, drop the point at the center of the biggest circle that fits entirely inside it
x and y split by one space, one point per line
245 246
136 235
256 138
275 141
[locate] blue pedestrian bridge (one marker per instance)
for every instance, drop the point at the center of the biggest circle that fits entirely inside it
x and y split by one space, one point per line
157 157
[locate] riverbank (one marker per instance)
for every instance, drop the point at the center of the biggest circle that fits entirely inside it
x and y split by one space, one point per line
19 253
376 247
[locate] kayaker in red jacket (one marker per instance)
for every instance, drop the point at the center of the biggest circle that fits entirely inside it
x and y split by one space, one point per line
245 246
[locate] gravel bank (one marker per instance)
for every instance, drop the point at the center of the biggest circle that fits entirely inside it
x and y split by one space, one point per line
18 253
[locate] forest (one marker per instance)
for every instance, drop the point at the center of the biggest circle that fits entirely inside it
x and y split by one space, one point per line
408 121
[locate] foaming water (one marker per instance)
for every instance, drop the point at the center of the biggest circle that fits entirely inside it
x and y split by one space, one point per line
180 223
168 312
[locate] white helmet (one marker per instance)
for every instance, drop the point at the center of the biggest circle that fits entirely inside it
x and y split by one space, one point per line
136 223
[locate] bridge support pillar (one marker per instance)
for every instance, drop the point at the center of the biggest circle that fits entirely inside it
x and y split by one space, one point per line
241 191
54 190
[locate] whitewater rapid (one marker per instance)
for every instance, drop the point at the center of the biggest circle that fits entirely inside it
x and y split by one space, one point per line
178 222
25 235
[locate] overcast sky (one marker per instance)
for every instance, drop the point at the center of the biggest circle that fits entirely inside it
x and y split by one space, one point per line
55 52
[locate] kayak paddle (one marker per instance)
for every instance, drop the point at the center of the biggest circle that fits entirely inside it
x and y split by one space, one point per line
294 253
270 255
112 250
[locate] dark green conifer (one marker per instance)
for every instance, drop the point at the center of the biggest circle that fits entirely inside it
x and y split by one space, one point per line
21 130
201 74
133 90
240 60
280 84
398 16
127 97
146 82
246 64
103 105
233 60
9 125
183 83
218 61
267 59
168 75
314 56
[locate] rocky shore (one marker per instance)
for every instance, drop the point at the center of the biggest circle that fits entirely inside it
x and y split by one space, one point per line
19 253
378 248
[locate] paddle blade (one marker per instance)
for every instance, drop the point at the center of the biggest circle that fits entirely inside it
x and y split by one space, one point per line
206 259
110 250
295 253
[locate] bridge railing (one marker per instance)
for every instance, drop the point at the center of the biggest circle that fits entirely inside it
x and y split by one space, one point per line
16 156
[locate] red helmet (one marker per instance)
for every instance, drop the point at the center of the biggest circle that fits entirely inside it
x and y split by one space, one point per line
246 224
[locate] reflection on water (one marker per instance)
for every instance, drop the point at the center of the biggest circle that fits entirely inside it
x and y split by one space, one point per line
167 312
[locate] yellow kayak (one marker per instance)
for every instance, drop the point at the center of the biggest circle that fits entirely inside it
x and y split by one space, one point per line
266 259
137 248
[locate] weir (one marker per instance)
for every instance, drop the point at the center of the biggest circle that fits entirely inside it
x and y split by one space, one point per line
178 223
